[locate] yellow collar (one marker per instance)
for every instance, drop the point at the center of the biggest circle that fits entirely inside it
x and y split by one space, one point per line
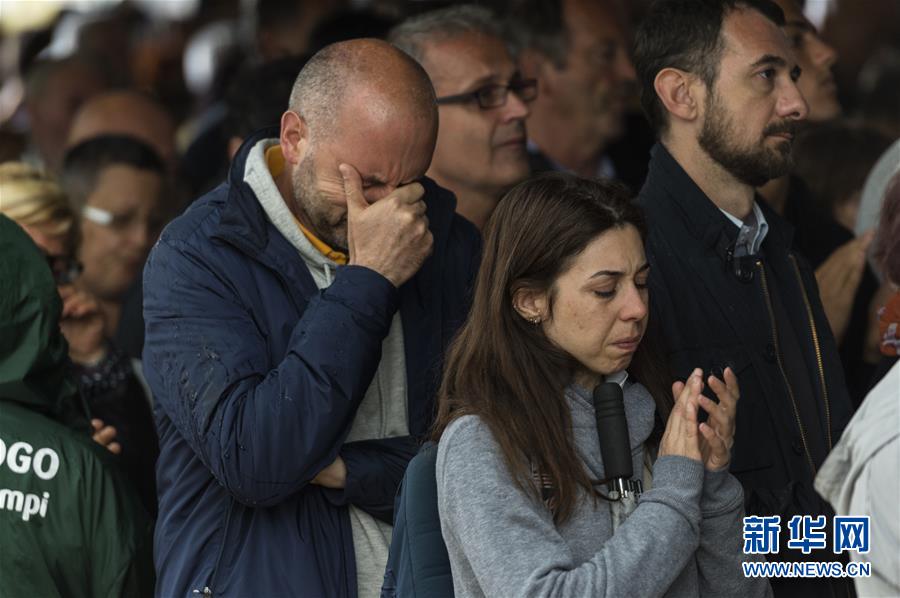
275 164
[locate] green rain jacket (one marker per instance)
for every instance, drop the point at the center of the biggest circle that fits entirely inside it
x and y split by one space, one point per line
70 525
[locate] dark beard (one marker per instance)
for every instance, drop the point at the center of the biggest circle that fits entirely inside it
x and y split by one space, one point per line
752 167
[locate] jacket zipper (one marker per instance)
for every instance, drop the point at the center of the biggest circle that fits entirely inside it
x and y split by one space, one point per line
815 338
765 286
207 591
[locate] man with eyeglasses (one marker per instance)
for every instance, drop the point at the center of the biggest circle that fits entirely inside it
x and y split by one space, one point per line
116 184
483 103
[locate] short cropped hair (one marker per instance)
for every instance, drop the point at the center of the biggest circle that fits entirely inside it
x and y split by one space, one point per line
85 162
413 34
687 35
322 85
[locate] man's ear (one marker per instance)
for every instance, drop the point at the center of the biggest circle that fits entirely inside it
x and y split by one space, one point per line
678 92
531 304
294 137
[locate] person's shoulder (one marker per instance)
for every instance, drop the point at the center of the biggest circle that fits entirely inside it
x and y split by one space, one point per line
470 464
193 231
70 446
463 425
200 218
467 435
655 205
463 231
880 410
441 202
663 225
460 234
665 178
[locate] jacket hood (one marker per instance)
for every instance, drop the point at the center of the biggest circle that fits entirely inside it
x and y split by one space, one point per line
258 177
34 363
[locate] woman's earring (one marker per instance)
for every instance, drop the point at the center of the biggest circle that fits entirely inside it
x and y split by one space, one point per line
535 319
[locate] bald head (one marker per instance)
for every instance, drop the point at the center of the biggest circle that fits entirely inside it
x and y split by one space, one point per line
54 91
126 113
362 74
364 104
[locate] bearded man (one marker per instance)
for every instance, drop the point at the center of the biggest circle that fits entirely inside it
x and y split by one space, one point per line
719 85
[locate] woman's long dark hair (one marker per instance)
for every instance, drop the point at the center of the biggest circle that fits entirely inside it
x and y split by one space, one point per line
503 368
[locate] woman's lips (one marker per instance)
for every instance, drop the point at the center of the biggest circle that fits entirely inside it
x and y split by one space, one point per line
628 344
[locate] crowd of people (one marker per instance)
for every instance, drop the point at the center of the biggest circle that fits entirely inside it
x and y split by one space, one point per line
333 316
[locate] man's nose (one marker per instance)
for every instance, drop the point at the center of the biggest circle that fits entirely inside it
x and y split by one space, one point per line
515 107
792 104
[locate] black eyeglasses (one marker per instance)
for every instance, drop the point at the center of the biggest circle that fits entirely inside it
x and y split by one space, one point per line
65 269
494 96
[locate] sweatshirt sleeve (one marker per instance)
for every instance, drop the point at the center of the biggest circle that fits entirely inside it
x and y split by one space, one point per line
506 542
720 553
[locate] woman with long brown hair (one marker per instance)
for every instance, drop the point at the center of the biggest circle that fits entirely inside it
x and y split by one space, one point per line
560 306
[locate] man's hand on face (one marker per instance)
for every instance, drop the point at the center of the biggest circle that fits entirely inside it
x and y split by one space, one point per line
390 236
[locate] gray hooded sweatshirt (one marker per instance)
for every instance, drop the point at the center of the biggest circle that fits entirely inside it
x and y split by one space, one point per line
682 539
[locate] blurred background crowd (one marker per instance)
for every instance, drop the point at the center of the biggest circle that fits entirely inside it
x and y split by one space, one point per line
155 97
198 65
